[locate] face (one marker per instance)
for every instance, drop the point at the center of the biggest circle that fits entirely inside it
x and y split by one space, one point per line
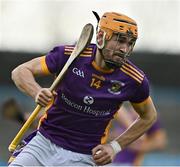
117 49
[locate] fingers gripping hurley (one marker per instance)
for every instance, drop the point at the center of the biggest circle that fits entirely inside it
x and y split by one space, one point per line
82 43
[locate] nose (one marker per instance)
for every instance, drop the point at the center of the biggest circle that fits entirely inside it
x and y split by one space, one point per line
123 48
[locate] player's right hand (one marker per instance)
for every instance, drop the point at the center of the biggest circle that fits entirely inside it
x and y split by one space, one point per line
103 154
44 97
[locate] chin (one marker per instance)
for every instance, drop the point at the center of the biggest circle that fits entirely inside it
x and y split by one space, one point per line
112 64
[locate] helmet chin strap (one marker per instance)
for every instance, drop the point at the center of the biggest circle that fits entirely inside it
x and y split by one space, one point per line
110 53
110 63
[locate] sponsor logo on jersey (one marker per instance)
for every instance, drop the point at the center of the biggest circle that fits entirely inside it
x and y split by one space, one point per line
85 108
116 87
78 72
88 100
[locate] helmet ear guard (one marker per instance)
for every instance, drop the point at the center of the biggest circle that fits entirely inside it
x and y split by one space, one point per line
100 38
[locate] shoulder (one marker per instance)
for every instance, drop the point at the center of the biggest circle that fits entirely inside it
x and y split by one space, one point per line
57 49
70 48
133 72
66 50
88 52
55 58
58 56
138 81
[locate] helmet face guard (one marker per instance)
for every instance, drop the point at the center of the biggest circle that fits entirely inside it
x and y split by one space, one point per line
114 54
114 23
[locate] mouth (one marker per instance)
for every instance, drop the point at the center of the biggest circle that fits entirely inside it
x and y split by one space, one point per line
120 58
116 60
114 57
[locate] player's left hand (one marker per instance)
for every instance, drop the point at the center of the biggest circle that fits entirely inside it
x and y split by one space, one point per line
103 154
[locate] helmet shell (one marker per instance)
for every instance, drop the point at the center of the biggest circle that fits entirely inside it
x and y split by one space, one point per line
112 22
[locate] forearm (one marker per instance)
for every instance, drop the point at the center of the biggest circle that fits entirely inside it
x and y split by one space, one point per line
138 127
24 80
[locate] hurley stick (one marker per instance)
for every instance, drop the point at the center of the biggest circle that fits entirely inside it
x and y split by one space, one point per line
82 43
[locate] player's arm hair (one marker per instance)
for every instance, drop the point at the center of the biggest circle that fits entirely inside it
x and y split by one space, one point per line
147 116
23 76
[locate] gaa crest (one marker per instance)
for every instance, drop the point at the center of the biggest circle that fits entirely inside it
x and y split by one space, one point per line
116 87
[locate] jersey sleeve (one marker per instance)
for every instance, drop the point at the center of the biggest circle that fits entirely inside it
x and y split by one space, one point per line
55 59
142 92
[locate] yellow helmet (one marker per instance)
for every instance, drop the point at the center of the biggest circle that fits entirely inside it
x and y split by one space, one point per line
112 22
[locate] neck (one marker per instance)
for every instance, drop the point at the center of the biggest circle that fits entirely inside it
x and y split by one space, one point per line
100 61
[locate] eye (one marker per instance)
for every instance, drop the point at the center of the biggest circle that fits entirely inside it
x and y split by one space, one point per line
131 43
121 40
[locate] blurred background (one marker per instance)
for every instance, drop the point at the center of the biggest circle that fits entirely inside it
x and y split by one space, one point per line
29 29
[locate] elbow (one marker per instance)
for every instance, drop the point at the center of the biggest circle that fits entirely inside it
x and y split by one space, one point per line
151 117
13 74
154 116
16 73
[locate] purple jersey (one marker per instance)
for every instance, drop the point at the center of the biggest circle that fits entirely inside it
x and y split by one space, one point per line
87 99
128 156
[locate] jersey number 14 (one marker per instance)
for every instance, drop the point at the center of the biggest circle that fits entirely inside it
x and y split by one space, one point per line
96 83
